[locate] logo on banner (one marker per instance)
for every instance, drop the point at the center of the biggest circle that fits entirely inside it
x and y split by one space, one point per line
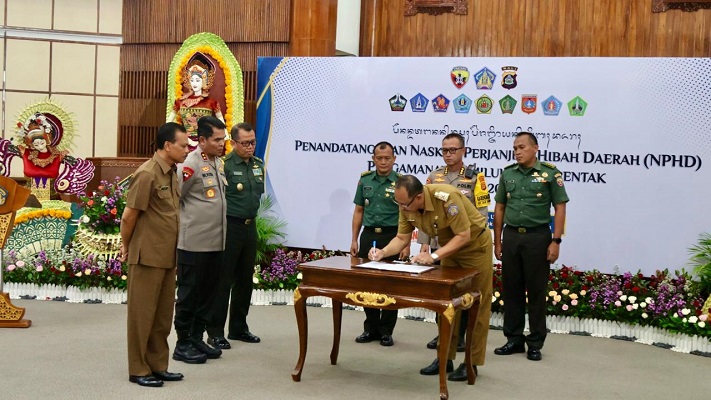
440 103
508 77
398 103
460 76
462 104
577 107
507 104
529 103
484 78
419 103
551 106
484 104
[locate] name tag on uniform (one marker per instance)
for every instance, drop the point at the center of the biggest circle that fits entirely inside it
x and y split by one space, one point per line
237 173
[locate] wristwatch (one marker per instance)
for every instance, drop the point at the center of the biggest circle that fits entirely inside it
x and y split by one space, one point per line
434 256
557 240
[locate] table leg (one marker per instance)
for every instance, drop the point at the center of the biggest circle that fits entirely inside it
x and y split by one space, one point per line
473 315
445 340
337 316
303 324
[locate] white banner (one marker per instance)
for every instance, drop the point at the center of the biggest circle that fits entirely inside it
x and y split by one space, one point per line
631 136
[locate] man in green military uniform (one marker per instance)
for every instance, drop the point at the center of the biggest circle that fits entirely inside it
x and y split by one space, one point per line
377 213
527 189
442 212
472 184
245 175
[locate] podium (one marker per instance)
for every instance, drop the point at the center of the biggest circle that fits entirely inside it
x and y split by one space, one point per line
108 168
12 198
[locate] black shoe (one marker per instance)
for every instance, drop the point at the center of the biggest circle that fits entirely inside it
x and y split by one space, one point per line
461 345
433 369
509 348
460 374
367 337
387 340
148 380
186 352
534 354
204 348
245 337
219 342
432 344
168 376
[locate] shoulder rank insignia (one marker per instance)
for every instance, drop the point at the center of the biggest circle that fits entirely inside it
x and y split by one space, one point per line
444 196
452 210
187 173
258 159
547 164
366 173
204 156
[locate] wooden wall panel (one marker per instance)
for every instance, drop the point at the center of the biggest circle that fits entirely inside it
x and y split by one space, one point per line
251 29
171 21
536 28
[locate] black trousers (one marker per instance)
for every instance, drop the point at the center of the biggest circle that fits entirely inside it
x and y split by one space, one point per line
198 274
377 321
525 267
236 275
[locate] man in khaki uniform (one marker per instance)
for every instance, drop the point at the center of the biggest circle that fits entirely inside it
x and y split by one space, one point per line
149 236
442 212
201 241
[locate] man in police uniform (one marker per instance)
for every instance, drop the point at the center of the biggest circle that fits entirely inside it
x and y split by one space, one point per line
149 235
472 184
201 240
376 211
245 185
527 189
442 212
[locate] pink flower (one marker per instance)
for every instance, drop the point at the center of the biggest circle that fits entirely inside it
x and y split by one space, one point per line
11 267
20 263
39 268
565 307
629 307
574 302
617 303
702 317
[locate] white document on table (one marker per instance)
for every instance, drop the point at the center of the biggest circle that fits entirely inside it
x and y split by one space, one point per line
396 267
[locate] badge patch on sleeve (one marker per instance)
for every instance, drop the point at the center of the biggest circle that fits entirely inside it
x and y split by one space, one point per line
452 210
187 173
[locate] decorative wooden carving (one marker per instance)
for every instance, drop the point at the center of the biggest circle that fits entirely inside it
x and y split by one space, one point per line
436 7
684 5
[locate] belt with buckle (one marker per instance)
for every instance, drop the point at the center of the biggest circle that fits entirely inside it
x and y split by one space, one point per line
533 229
245 221
378 229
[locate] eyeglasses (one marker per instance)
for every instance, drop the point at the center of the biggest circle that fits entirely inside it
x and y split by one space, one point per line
408 204
451 150
247 143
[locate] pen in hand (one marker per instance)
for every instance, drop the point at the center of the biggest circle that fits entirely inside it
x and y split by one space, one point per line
372 251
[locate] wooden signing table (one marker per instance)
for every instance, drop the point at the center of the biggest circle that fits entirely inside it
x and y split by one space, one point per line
443 290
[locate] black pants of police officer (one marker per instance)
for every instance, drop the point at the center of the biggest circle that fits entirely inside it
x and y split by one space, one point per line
235 279
377 321
198 273
525 267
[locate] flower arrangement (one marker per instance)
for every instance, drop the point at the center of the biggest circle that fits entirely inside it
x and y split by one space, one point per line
65 267
282 272
103 208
